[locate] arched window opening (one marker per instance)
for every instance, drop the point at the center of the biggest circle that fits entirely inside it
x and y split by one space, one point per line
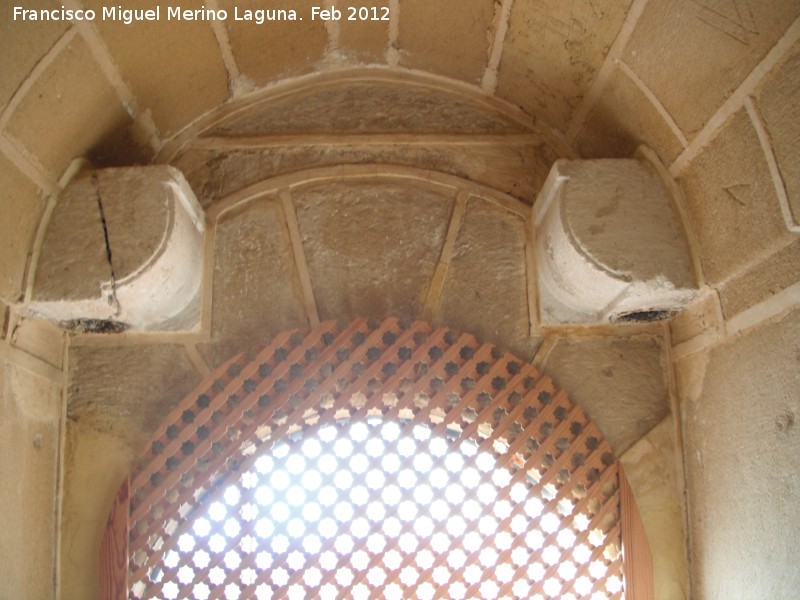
374 460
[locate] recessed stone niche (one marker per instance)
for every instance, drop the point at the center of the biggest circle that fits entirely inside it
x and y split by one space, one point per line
123 250
609 246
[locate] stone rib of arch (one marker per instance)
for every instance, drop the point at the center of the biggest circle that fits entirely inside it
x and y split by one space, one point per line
392 370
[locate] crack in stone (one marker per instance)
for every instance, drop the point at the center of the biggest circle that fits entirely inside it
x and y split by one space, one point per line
113 298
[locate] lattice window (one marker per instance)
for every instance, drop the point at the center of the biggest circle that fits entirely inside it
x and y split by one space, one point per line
375 460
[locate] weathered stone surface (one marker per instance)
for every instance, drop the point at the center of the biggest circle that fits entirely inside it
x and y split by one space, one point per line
125 391
21 209
22 44
699 317
622 119
371 247
368 107
650 466
173 67
73 262
709 47
95 465
485 290
620 383
781 111
741 405
364 41
515 170
621 214
30 406
731 202
551 55
40 339
68 110
275 49
768 277
448 37
256 291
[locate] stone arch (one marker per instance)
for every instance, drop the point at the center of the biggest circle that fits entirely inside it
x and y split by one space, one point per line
399 371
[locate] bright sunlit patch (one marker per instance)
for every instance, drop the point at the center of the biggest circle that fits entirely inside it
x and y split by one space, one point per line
383 509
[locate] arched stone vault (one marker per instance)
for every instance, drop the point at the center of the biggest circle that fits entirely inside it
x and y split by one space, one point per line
697 406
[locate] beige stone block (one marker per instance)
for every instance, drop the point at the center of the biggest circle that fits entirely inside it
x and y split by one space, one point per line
518 170
622 119
699 318
23 44
21 208
174 68
69 110
370 107
126 391
364 41
781 111
485 290
448 37
256 291
731 202
40 339
650 467
741 405
276 49
371 247
30 411
552 52
96 462
765 279
621 383
692 55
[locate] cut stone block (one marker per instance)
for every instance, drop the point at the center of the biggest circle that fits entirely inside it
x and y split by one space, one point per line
123 249
485 291
619 382
22 207
448 37
609 246
68 110
731 202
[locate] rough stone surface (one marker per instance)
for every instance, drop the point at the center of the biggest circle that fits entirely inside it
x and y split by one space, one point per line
256 290
30 406
40 339
620 213
22 44
743 455
69 109
622 119
448 37
174 68
515 170
551 55
772 275
73 262
731 202
781 111
697 318
651 471
95 464
364 41
620 383
709 47
275 49
367 107
485 290
371 247
125 391
21 210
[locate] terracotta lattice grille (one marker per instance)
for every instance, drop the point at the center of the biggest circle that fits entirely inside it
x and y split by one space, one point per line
377 459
